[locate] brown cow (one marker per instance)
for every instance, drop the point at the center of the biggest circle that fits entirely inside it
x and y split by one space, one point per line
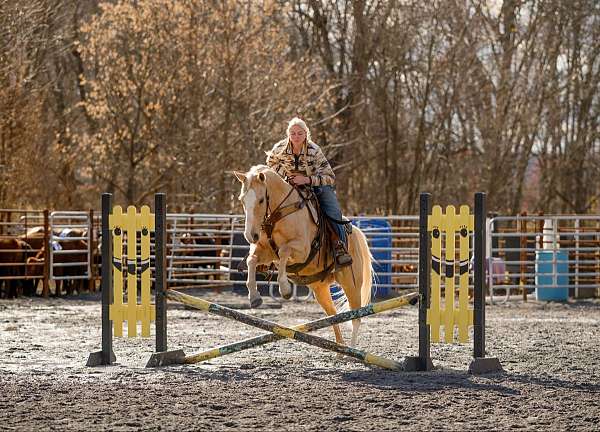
13 258
34 236
196 251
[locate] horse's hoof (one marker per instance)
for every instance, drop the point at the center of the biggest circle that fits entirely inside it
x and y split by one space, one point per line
254 303
286 296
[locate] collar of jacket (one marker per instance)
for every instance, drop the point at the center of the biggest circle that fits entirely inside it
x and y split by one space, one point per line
304 149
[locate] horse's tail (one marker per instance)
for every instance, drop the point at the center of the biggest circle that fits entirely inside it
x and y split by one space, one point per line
366 265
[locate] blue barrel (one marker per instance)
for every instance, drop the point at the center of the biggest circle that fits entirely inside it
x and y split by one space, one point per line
378 232
546 289
336 292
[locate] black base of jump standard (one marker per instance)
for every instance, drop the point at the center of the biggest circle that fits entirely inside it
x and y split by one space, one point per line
484 365
97 359
166 358
415 364
478 366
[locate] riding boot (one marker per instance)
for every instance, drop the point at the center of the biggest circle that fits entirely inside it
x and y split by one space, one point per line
342 257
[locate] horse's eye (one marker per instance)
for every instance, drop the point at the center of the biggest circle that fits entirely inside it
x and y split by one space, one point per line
261 200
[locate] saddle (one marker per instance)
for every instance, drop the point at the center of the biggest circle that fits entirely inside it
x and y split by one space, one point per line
312 204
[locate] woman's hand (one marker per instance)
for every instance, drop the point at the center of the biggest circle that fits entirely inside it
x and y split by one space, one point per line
299 180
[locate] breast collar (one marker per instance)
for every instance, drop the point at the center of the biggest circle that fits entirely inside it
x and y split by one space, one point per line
272 217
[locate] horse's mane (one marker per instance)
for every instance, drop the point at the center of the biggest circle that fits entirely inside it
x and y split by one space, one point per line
257 169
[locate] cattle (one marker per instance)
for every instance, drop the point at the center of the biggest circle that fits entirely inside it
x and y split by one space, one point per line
197 252
13 259
34 237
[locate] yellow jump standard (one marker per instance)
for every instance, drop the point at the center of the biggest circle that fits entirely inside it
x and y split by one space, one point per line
437 229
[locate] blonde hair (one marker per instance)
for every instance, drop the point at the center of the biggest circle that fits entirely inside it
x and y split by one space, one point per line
297 121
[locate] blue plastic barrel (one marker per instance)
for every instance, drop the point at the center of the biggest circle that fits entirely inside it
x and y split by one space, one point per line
336 292
378 232
546 288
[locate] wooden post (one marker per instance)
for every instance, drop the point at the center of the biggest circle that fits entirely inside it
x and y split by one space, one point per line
479 277
523 256
106 355
47 246
160 299
92 254
423 361
480 364
540 229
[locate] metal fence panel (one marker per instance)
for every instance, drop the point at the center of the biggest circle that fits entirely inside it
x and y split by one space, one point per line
556 252
205 250
22 238
71 243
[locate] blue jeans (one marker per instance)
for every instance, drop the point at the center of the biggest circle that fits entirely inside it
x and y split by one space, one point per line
330 205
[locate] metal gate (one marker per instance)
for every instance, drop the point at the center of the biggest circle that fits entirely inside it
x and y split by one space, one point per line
70 245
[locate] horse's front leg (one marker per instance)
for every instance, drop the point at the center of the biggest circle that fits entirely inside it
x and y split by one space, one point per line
285 252
253 294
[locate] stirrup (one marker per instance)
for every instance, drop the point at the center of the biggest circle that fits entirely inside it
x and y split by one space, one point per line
342 257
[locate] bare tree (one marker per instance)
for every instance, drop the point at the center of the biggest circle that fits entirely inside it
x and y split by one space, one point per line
403 96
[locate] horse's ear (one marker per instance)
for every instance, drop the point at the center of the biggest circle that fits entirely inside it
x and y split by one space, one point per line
240 176
262 177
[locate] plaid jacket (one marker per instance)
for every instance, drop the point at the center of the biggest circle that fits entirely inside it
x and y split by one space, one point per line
311 161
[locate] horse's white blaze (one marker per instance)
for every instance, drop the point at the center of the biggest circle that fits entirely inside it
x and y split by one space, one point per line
249 203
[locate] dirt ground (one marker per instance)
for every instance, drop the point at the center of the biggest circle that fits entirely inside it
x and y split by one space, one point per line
550 353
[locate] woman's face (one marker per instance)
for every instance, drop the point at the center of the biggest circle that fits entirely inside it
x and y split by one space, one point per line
297 135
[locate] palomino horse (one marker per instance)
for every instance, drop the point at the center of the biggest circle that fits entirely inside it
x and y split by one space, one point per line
264 191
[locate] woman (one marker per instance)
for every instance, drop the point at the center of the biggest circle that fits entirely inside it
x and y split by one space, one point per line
301 162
